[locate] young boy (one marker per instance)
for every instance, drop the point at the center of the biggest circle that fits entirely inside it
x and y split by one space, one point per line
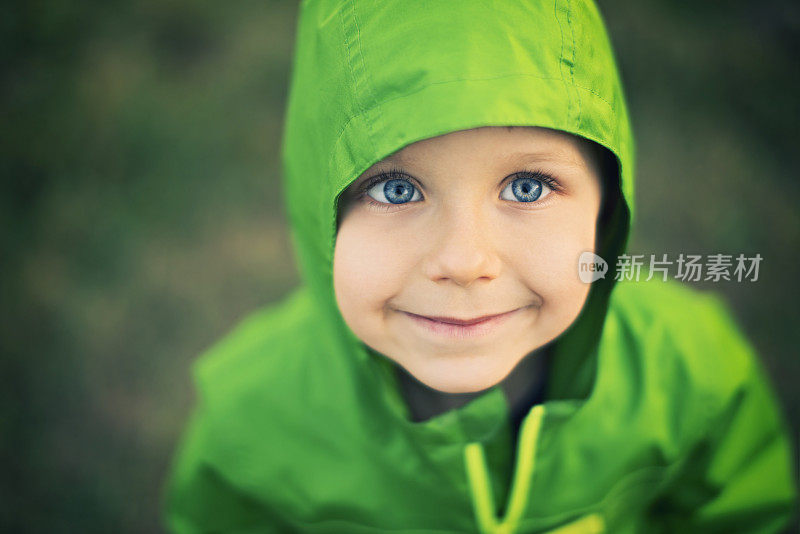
443 368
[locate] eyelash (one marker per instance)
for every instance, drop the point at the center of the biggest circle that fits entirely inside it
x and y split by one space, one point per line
397 174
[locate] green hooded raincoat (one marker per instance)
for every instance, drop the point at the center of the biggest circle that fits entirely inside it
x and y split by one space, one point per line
657 416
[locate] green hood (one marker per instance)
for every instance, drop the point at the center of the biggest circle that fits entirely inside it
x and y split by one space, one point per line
657 415
371 78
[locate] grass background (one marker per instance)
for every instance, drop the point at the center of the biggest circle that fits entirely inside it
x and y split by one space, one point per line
141 213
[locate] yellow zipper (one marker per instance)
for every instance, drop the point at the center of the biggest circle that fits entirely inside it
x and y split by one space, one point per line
481 486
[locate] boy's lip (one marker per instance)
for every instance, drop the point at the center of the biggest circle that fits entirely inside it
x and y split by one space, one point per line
454 328
461 322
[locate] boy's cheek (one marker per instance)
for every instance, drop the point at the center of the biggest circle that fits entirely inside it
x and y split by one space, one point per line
552 260
368 268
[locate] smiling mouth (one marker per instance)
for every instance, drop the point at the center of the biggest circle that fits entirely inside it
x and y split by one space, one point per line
460 322
453 327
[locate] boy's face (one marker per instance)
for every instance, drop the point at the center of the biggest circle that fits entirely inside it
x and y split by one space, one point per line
470 224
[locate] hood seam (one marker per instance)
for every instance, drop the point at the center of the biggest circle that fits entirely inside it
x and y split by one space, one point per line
364 75
572 64
561 60
358 76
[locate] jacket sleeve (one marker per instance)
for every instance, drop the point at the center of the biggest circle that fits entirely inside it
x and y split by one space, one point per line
741 476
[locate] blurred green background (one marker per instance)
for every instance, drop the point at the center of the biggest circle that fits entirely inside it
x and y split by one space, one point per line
142 217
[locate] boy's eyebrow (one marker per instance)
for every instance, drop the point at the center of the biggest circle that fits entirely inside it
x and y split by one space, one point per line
557 156
512 158
396 158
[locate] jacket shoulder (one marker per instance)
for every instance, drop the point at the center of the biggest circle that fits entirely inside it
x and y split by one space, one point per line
249 388
689 330
259 353
705 378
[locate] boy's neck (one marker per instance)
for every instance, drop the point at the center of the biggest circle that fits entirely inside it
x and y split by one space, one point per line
523 387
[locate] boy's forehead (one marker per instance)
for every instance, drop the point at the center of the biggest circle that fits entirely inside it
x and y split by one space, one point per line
510 144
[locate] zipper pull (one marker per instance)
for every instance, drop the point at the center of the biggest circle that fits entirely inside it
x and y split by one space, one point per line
481 486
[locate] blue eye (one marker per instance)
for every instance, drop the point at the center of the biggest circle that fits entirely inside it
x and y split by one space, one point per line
394 191
525 189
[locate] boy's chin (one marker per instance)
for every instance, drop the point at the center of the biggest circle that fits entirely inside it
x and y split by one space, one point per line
457 376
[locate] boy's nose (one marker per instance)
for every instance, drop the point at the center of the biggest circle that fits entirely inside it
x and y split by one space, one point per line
462 251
